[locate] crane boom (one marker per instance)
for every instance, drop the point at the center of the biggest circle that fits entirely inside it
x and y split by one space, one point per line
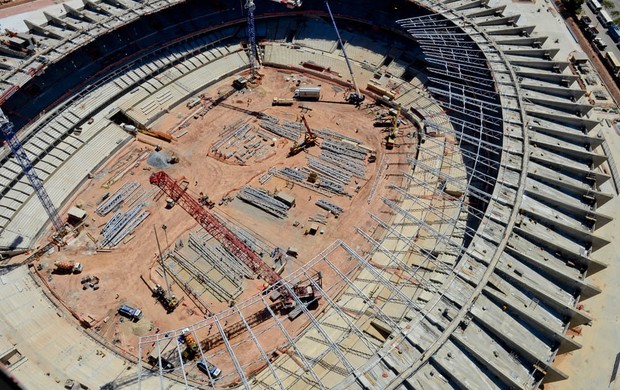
249 5
6 127
355 97
212 225
308 129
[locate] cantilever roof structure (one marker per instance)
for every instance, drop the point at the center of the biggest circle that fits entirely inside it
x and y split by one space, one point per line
476 290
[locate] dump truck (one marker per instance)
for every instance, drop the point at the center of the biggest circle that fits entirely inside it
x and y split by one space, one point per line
309 93
192 345
130 312
282 102
68 267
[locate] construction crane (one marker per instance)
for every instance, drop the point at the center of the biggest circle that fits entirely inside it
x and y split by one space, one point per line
354 97
230 241
249 5
309 139
6 127
167 298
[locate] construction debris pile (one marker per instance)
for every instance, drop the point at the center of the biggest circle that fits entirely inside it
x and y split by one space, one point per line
263 200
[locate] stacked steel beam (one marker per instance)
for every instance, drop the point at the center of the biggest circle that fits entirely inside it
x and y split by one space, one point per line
332 208
122 224
118 198
263 200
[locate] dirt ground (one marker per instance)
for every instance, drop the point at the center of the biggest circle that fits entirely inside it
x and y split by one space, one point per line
123 270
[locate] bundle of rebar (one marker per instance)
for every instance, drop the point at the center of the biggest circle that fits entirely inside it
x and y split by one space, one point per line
263 200
332 208
118 198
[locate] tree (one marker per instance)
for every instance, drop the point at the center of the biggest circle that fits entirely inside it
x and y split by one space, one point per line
608 4
573 6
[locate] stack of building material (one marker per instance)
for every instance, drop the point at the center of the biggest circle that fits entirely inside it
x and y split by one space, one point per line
332 171
328 133
345 148
285 130
263 200
354 166
122 224
118 198
332 208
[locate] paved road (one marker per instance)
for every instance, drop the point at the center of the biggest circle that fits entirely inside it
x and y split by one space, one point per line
589 51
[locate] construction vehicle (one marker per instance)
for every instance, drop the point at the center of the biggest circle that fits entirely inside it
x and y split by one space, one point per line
130 312
163 355
307 93
282 102
309 139
228 239
240 83
192 345
167 299
354 97
372 157
204 201
68 267
391 138
208 368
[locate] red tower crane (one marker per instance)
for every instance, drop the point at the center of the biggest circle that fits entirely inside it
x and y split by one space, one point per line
227 238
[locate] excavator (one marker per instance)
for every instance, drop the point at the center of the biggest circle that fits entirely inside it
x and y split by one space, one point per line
309 139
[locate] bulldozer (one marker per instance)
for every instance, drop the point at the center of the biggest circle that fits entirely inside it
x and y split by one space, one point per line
310 139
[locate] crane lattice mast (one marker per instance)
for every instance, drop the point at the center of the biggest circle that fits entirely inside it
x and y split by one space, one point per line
249 5
6 127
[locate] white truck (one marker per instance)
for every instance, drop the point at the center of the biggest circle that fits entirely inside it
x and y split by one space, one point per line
309 93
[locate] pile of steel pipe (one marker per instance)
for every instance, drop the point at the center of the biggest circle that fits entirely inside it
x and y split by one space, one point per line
329 133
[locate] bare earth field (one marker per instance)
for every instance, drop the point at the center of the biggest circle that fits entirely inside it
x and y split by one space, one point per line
126 269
